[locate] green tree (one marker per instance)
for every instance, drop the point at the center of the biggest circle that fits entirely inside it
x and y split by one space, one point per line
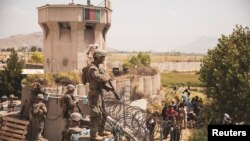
225 72
33 49
134 61
144 59
141 59
37 57
11 76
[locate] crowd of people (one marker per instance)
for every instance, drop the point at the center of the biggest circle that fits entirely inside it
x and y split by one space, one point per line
186 110
177 115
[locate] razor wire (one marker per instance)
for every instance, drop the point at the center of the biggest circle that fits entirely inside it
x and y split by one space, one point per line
130 118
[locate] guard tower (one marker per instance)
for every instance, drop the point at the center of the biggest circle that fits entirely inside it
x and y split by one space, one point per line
68 30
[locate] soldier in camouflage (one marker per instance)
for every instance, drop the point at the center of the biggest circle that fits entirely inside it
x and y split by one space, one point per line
68 103
38 113
11 104
74 127
97 77
38 88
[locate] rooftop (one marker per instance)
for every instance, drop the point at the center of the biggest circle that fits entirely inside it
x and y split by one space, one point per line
71 5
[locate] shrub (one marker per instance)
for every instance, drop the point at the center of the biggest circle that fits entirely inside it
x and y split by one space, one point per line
141 59
31 78
67 78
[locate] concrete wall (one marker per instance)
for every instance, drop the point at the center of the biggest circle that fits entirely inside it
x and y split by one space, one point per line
177 66
167 66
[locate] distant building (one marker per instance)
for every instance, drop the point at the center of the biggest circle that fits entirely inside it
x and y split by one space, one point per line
68 30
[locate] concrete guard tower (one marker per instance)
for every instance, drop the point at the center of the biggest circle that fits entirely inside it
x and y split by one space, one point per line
68 30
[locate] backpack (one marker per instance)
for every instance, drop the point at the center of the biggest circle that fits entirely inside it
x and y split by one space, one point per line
84 76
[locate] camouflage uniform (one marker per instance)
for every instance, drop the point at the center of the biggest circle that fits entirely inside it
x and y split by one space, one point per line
38 113
11 104
96 77
37 89
73 127
68 103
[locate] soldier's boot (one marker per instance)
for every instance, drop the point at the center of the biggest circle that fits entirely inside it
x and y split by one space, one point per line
96 138
104 133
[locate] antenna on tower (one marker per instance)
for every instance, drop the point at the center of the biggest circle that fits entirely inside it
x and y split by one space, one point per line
88 2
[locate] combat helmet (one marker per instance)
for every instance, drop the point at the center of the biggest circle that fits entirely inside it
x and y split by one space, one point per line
11 96
71 87
76 116
99 53
40 96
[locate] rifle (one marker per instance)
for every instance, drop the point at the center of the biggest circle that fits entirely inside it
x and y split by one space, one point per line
22 111
113 90
79 109
102 71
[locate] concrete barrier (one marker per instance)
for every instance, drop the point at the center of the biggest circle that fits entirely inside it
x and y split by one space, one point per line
54 122
147 85
136 85
123 89
80 90
158 82
26 100
154 84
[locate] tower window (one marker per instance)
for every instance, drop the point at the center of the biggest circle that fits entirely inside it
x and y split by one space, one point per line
89 27
64 25
64 31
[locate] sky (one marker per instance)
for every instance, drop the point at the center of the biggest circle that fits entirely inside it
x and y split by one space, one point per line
142 25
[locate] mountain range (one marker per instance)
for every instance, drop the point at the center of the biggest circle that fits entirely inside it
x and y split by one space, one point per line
22 40
201 45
